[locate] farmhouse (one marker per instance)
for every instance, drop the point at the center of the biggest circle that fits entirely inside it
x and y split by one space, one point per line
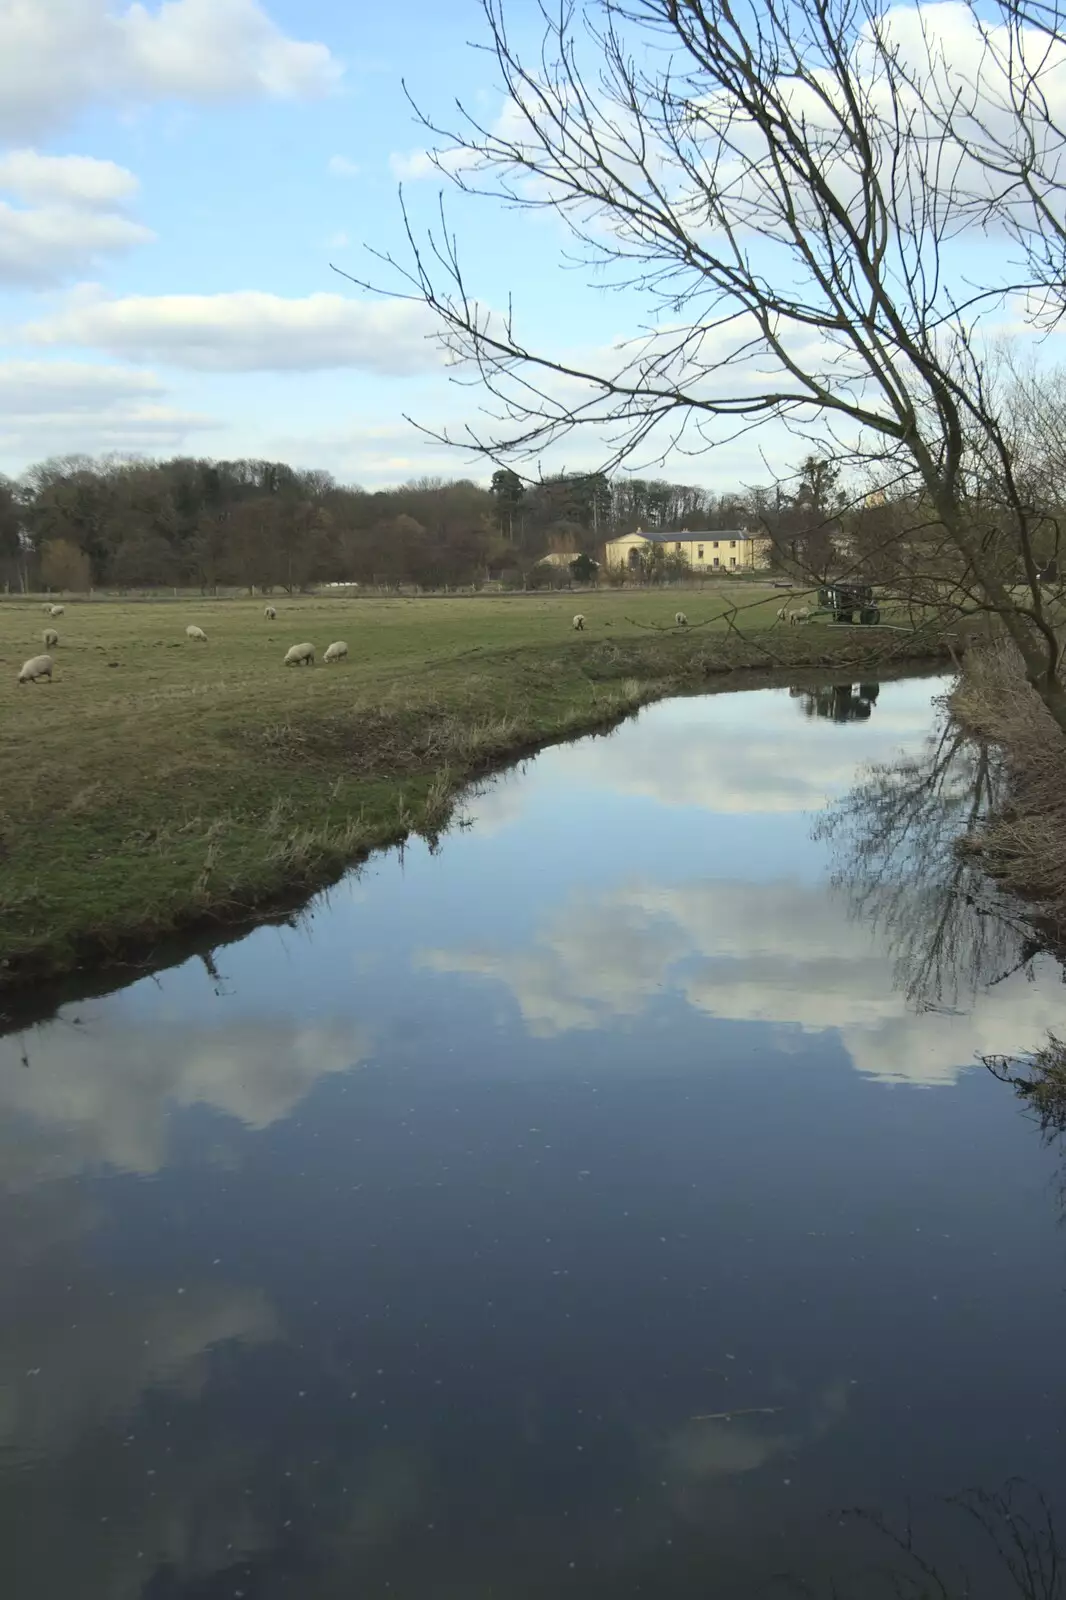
724 550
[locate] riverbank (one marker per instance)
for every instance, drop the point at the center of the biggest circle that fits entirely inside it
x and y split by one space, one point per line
1023 845
162 785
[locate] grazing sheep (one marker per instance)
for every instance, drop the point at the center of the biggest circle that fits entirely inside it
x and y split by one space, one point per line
300 655
801 614
579 622
269 613
193 632
50 638
336 652
782 615
47 608
55 611
36 667
681 619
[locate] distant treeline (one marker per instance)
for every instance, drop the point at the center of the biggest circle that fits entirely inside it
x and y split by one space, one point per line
79 523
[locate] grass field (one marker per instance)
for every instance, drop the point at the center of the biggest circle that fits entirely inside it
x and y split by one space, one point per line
159 782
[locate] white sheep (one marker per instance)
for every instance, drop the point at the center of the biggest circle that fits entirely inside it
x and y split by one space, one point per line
193 632
36 667
801 614
300 655
47 608
782 615
579 622
336 652
55 611
50 638
269 613
681 619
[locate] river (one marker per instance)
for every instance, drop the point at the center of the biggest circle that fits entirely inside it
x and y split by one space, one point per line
594 1203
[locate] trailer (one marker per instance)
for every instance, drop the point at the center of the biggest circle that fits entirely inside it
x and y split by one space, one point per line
850 602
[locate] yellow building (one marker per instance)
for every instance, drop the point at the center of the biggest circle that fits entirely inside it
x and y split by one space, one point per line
725 550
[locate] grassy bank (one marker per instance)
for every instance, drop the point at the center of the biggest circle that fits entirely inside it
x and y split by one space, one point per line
159 784
1023 845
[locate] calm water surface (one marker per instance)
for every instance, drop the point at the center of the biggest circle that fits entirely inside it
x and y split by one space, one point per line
579 1210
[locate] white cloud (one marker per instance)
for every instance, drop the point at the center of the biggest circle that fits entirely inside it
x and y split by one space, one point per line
249 331
375 454
342 167
44 246
54 407
72 219
950 51
102 1094
781 953
690 755
410 165
71 180
32 387
509 126
720 754
98 1369
129 430
86 1376
952 60
729 1446
59 56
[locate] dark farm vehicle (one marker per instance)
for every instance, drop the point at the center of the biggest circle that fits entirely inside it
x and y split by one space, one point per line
850 602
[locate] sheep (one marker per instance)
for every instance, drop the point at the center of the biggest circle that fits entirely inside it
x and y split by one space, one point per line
782 615
579 622
47 608
50 638
193 632
300 655
36 667
55 611
269 613
336 652
801 614
681 619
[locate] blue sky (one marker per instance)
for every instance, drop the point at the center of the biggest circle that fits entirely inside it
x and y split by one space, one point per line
232 155
175 181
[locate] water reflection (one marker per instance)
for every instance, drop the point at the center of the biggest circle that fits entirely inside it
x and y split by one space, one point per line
106 1093
839 702
963 976
781 955
900 859
554 1215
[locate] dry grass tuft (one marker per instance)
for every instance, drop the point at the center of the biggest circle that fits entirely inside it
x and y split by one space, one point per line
1025 845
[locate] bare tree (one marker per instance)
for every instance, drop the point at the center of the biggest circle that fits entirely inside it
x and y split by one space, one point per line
784 186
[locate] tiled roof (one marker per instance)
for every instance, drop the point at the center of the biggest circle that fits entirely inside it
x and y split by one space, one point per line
672 538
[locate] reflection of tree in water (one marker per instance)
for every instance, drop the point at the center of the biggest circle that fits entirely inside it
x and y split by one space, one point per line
1024 1555
839 702
1039 1078
899 840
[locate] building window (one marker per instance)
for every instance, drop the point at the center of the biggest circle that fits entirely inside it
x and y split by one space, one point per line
732 561
716 544
732 544
699 553
677 547
716 561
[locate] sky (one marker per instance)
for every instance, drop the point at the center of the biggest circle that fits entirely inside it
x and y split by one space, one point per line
178 181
